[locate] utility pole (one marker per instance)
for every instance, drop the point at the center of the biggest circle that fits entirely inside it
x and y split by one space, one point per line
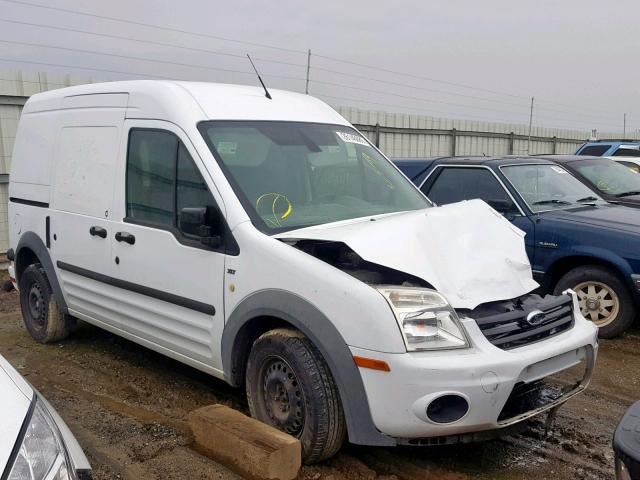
530 122
306 89
624 126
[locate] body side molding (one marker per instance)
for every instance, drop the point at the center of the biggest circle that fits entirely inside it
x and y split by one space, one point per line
141 289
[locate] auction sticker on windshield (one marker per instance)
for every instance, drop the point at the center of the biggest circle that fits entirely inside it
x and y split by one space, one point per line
558 169
352 138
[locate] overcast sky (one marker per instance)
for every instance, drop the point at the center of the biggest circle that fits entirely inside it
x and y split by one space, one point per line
578 58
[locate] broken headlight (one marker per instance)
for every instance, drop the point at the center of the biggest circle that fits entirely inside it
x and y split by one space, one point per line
426 319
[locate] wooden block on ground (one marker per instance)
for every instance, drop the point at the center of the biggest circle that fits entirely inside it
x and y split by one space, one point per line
245 445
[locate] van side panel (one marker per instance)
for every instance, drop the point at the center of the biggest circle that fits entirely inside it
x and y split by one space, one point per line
33 155
85 169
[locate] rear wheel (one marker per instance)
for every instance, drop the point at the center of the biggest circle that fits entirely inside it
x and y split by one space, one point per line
289 386
603 298
42 316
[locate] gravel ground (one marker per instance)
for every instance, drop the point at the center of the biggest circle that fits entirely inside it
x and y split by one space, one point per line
128 408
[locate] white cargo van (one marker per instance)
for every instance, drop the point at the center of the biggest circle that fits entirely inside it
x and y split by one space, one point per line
267 242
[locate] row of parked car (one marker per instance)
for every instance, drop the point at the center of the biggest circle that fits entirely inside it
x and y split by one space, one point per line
260 238
580 214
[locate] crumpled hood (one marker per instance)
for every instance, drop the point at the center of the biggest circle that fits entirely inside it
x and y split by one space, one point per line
466 250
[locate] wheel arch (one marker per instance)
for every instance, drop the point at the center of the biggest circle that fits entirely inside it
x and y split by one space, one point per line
271 308
563 265
31 249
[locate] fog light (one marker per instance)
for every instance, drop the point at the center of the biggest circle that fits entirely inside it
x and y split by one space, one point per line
447 409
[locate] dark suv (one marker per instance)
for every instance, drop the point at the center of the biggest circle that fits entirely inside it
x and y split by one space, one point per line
574 238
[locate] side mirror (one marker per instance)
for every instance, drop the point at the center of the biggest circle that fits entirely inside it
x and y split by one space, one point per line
505 207
204 223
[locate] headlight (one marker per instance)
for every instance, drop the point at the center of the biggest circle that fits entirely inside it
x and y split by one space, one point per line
426 319
42 454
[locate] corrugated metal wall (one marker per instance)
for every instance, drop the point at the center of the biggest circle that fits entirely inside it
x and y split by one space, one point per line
398 135
491 138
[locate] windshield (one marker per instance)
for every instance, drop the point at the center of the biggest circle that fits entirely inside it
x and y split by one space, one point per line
548 187
291 175
608 176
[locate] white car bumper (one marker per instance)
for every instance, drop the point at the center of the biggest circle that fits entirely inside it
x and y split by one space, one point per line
483 375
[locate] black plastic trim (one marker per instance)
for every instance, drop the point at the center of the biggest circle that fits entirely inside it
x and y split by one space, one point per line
33 242
25 201
18 444
47 227
229 245
304 316
141 289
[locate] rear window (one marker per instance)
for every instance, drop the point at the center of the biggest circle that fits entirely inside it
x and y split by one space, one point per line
627 152
595 150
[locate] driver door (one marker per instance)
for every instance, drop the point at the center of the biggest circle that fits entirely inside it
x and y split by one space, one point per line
170 291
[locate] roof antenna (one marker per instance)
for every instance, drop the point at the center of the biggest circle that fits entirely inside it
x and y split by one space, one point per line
266 92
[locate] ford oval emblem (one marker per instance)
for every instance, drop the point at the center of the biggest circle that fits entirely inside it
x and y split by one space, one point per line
535 317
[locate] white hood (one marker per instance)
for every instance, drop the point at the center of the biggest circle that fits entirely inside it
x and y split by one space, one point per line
467 251
15 398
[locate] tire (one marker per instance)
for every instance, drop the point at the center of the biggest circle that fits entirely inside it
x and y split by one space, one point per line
603 297
41 314
284 362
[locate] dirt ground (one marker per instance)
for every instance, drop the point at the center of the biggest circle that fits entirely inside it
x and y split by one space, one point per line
128 408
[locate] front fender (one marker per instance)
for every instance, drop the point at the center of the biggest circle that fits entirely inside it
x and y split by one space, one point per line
307 318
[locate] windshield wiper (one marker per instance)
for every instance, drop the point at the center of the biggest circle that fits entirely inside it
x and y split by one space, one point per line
590 199
628 194
551 202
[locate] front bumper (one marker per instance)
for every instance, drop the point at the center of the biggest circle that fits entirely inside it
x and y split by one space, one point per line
484 375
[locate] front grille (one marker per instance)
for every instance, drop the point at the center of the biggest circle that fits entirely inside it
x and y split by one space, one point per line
505 324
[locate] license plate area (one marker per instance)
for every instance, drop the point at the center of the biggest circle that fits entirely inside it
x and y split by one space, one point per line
546 384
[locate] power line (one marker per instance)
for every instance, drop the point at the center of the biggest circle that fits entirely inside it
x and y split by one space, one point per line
290 50
142 59
418 77
149 42
150 25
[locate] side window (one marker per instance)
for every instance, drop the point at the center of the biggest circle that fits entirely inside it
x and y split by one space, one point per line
162 179
454 184
595 150
191 191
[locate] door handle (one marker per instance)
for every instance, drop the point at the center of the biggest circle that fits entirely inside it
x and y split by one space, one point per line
98 232
125 237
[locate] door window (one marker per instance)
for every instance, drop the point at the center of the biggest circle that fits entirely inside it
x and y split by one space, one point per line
162 179
454 184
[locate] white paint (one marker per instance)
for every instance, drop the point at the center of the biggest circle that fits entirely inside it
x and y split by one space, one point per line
465 250
15 398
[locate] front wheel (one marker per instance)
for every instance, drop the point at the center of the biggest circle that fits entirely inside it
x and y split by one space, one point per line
289 387
603 298
42 316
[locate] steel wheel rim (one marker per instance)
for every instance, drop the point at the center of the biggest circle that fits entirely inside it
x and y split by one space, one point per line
36 304
598 302
283 396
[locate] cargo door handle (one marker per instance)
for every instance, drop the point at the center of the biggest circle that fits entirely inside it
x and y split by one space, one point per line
125 237
98 232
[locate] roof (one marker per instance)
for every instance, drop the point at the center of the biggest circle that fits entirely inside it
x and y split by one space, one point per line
165 99
571 158
473 160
